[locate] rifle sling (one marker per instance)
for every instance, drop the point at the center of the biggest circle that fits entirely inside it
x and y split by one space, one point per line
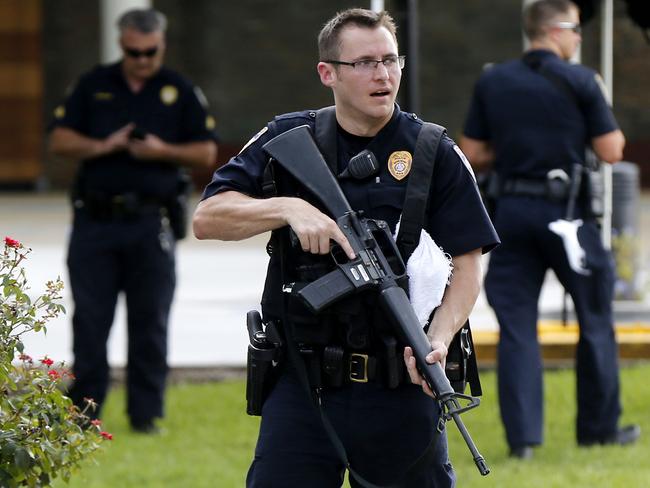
418 188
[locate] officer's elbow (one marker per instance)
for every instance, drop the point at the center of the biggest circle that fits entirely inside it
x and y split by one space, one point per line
54 147
609 147
200 226
210 159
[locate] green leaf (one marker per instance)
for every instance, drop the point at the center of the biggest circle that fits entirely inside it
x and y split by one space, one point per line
22 459
8 449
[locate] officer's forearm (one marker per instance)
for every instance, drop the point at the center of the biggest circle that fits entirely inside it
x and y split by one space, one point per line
233 216
70 144
480 153
201 154
459 298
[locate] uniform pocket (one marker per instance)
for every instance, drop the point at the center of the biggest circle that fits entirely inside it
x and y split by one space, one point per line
386 203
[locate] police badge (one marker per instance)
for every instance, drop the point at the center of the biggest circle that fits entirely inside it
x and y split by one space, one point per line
399 164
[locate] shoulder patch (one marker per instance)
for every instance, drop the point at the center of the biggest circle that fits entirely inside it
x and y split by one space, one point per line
253 139
465 161
59 112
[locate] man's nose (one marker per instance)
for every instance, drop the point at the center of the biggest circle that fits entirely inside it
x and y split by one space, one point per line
381 72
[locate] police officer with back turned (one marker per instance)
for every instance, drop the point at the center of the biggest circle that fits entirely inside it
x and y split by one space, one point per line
532 119
135 126
348 349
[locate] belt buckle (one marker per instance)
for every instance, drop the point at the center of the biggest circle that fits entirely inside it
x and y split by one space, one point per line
361 360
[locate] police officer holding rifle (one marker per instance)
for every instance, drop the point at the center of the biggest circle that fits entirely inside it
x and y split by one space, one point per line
341 396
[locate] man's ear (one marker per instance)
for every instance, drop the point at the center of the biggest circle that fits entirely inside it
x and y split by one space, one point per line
327 74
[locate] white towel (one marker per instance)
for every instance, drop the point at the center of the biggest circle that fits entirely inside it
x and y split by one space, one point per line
429 270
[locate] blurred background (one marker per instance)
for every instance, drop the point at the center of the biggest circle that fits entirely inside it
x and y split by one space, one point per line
256 58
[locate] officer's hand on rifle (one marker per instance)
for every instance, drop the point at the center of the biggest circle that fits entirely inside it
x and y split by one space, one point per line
438 354
314 229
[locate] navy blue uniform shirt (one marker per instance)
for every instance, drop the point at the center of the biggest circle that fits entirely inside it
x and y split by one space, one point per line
457 220
168 106
531 123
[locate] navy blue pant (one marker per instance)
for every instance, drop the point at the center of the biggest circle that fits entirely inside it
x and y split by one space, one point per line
384 431
105 258
513 284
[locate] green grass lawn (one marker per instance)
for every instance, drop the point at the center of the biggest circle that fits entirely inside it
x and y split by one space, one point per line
208 441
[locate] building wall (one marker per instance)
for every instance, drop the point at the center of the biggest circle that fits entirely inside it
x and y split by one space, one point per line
257 58
21 89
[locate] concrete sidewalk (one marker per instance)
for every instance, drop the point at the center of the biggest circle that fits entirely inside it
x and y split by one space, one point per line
219 282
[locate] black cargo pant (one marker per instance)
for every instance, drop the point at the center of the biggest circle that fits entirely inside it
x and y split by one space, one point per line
513 285
134 256
383 430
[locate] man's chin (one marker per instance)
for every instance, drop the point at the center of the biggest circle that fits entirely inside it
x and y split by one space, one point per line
382 109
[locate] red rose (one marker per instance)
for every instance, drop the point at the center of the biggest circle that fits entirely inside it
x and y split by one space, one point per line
9 242
106 435
53 373
47 361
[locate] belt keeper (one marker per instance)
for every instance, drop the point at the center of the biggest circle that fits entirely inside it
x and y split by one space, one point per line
312 362
391 361
333 365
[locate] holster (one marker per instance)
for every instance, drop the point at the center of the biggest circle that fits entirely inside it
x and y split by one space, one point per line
461 366
261 366
594 187
177 207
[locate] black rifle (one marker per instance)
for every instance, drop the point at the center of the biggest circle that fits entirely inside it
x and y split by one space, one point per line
377 265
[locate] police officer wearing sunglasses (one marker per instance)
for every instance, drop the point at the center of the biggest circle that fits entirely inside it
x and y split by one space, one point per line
530 120
136 128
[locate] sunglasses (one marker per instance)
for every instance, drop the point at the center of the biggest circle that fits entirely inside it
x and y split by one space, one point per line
569 25
136 53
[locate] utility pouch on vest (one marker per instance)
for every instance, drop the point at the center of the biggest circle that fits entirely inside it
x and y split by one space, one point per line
177 208
261 364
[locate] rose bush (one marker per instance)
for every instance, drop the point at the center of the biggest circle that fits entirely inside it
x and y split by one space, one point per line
43 436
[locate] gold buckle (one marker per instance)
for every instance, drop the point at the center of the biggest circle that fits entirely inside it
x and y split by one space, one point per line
356 358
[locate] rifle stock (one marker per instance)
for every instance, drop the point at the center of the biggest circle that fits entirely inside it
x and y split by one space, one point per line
373 244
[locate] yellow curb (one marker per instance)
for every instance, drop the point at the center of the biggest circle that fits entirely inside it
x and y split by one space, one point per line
558 342
553 332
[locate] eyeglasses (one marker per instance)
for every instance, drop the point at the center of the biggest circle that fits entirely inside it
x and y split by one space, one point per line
392 63
136 53
568 25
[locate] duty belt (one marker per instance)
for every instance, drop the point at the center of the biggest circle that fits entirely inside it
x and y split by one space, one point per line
120 206
554 187
333 366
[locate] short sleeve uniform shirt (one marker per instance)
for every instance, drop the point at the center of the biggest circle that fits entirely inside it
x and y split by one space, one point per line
168 106
457 220
532 124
